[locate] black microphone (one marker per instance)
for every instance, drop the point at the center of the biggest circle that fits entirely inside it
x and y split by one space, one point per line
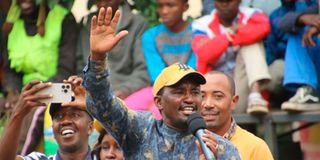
196 126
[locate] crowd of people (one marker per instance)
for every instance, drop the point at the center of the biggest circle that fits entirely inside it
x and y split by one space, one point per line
137 84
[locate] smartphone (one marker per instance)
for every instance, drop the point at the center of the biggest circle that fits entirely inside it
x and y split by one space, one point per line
61 92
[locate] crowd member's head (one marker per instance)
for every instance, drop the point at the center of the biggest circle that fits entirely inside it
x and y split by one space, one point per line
71 123
177 94
106 147
27 7
219 100
31 11
72 127
227 10
171 12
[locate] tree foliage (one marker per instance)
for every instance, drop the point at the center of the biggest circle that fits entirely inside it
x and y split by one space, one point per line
148 9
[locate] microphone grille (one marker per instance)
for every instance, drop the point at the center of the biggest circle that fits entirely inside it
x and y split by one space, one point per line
195 122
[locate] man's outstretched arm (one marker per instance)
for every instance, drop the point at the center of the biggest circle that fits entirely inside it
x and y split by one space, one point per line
101 101
27 100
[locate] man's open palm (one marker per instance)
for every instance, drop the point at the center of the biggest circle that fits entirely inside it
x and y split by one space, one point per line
103 35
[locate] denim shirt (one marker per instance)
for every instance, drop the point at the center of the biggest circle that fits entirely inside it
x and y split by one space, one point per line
138 133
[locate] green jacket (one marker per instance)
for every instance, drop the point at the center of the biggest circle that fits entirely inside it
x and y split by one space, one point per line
36 56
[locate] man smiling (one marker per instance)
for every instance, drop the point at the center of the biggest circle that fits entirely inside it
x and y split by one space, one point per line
71 125
219 100
177 95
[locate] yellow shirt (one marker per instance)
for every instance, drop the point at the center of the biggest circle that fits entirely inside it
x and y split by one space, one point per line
250 146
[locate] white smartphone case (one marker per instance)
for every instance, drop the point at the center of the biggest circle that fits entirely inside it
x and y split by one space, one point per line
61 92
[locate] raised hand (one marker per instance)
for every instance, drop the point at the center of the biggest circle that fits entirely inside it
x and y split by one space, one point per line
28 99
103 36
79 93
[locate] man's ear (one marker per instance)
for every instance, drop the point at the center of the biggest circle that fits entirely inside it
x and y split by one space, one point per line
157 101
90 128
234 101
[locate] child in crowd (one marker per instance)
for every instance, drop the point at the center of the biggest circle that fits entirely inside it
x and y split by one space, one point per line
168 42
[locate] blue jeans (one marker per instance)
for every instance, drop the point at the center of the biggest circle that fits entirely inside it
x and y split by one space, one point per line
302 64
207 6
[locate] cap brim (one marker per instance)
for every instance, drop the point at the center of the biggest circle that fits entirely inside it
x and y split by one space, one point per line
55 107
194 76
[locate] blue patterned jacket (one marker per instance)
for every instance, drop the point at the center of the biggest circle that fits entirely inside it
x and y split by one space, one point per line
138 133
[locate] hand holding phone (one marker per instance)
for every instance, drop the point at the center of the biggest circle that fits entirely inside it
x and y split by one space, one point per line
61 92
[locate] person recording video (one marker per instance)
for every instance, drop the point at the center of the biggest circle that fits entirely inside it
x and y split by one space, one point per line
71 124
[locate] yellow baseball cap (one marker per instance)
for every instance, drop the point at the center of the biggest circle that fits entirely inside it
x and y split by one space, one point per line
173 74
